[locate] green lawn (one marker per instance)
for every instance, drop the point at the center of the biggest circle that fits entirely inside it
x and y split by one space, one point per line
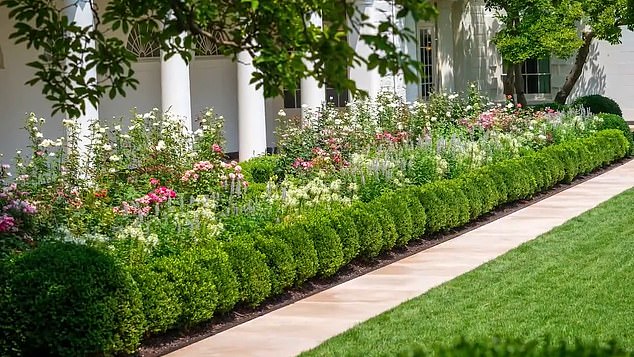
576 281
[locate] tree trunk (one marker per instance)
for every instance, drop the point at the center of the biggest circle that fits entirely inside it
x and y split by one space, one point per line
576 70
519 85
508 81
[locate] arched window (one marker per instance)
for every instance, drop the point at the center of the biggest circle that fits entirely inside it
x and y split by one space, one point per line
142 47
206 46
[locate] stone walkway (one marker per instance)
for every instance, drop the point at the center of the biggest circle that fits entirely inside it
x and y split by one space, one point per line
307 323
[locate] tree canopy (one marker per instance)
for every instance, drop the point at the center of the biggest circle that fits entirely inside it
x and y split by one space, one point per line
540 29
277 33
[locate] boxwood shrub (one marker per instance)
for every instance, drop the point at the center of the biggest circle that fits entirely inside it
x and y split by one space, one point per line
341 220
279 259
194 284
397 207
302 246
369 228
67 299
74 300
261 169
252 272
597 103
416 209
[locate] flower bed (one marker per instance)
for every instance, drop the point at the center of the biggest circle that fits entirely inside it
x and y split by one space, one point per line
189 236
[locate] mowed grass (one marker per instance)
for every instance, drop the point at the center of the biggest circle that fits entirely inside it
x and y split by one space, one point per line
575 282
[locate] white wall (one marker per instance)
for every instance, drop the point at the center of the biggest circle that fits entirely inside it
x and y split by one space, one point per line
16 98
610 71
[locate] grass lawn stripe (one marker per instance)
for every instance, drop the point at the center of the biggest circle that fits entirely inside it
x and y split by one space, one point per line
576 281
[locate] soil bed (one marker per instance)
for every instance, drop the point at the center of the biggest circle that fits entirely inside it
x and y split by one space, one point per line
172 340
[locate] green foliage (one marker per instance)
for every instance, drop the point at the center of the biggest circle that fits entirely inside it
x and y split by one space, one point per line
423 168
370 230
388 225
536 29
417 211
341 220
506 347
261 169
613 121
397 207
68 300
302 246
551 105
213 258
279 259
250 267
597 104
327 243
283 51
162 307
436 211
193 282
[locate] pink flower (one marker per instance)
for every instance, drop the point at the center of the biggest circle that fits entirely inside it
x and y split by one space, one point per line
6 223
216 148
154 182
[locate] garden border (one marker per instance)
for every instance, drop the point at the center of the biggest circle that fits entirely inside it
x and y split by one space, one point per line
171 341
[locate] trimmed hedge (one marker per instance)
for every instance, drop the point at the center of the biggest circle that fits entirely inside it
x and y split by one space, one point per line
66 299
261 169
73 300
597 104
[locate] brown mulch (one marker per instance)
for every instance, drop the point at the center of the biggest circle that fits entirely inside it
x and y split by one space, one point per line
172 340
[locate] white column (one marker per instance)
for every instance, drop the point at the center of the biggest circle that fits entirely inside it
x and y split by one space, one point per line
80 12
445 46
412 90
251 111
368 80
313 95
175 89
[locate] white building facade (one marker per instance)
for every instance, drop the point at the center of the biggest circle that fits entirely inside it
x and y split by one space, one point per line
455 50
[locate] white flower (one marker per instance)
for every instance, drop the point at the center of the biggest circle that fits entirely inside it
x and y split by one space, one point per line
510 105
46 143
132 127
112 170
39 135
98 136
281 113
19 152
199 132
114 158
160 145
125 136
51 154
107 147
117 127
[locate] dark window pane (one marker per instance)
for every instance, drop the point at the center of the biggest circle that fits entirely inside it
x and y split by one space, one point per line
531 66
544 65
544 83
531 84
289 99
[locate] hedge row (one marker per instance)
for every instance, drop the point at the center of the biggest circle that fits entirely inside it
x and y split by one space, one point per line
69 300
